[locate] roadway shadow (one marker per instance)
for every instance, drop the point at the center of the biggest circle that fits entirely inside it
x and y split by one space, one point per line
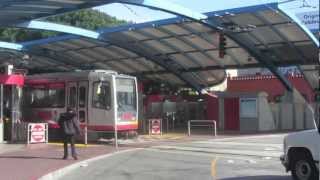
28 157
259 178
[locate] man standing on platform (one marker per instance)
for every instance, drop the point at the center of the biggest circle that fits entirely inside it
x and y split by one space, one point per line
70 127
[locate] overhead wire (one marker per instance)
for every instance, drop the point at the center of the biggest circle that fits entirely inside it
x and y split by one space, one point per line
134 12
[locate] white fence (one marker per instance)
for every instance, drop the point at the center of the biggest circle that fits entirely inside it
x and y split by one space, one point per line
202 123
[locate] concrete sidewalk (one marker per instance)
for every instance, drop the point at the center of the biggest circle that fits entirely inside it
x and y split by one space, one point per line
10 147
33 161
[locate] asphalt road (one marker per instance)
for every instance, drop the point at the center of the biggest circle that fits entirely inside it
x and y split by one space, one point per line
254 158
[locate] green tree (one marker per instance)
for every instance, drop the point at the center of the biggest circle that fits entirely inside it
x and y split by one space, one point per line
87 18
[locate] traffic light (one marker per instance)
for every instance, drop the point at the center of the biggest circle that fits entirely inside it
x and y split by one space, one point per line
222 45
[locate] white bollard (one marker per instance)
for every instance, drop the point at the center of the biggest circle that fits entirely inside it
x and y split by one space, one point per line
85 135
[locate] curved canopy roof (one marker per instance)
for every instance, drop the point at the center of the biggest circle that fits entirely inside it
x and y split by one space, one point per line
178 50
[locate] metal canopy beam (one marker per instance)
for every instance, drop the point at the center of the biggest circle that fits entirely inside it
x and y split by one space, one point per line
34 24
187 42
303 27
172 47
208 68
203 19
11 46
54 56
166 6
163 61
278 32
264 59
127 64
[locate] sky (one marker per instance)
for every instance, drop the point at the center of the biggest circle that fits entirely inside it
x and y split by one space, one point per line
141 14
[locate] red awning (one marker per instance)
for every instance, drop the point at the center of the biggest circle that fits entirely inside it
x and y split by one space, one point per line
12 79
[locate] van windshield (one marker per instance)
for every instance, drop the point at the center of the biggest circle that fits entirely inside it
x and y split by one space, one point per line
126 94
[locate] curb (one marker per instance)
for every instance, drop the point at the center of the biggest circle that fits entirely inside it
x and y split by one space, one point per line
63 171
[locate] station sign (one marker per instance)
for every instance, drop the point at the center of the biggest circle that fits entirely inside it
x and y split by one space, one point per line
310 19
37 133
155 126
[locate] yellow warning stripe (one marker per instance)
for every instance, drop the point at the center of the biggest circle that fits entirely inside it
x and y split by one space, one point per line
77 145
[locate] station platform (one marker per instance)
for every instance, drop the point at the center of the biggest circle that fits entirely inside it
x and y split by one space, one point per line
31 162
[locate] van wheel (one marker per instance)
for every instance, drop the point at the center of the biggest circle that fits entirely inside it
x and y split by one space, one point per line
303 168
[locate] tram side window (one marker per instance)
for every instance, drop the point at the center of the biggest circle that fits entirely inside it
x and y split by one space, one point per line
72 97
44 96
101 95
82 97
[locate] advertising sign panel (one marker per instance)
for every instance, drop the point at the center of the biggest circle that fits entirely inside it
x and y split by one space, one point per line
155 126
37 133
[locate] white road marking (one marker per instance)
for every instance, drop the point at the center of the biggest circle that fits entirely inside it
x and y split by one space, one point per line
230 161
220 156
223 151
84 165
267 158
249 137
275 146
250 161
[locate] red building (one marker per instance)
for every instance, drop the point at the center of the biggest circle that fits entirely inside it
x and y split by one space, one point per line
269 84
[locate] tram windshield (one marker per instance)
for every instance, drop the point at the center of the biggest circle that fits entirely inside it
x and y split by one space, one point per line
126 94
102 95
44 96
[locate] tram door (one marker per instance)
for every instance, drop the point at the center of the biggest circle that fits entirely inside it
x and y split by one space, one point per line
77 93
83 102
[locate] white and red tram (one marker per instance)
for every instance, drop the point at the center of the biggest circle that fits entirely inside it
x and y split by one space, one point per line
99 97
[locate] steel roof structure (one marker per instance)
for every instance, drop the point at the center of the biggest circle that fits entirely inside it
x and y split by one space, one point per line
182 50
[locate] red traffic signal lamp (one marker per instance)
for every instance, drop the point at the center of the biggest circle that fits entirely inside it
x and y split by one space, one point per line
222 45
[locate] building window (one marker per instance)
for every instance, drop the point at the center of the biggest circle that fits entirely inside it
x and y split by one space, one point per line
248 108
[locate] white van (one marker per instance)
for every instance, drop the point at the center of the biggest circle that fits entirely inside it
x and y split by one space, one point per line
301 154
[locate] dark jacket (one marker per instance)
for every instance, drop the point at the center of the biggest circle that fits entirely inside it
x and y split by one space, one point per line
69 124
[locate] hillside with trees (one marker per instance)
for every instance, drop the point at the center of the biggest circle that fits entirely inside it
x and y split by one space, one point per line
87 18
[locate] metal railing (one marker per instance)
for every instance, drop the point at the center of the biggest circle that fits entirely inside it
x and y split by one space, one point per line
202 123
